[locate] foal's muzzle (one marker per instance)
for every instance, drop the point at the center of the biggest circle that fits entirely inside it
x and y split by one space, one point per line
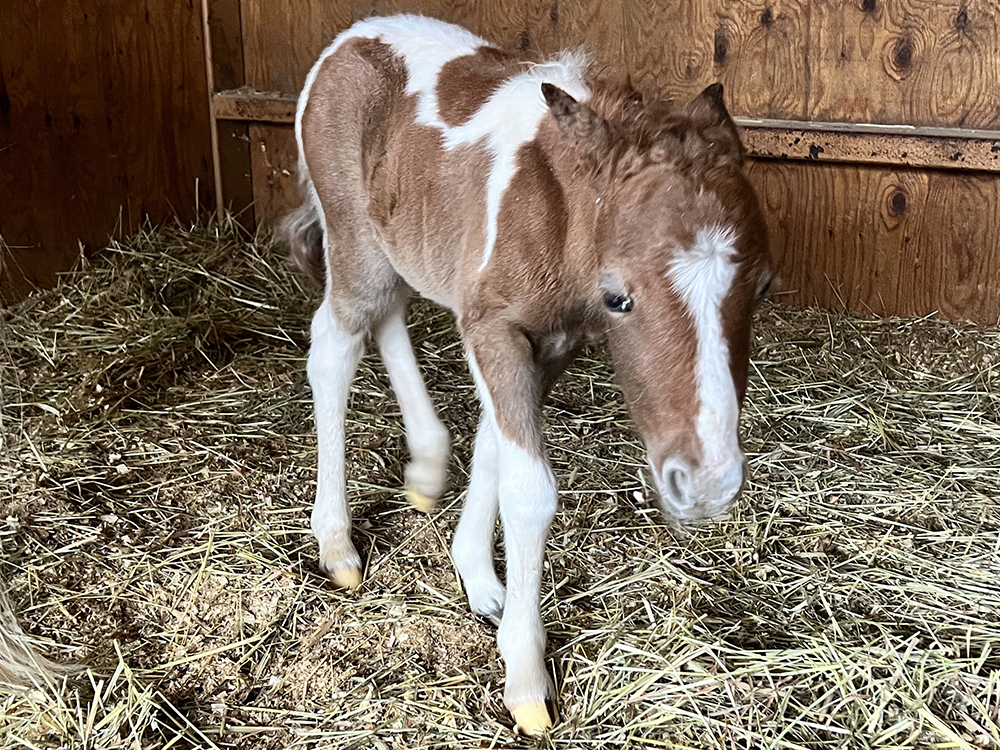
695 493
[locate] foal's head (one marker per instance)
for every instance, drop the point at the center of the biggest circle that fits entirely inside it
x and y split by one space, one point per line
682 258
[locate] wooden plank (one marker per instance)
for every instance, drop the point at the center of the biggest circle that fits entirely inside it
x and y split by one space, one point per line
213 129
274 156
254 106
885 241
893 149
225 25
755 48
909 148
103 122
906 61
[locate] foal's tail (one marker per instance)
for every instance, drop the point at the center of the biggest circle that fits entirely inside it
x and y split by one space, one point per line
303 230
21 666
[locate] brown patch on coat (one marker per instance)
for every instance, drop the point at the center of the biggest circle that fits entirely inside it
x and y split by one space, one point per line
466 83
344 134
754 258
523 296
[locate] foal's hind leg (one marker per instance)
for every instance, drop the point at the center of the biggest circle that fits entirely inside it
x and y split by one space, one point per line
426 437
333 360
362 286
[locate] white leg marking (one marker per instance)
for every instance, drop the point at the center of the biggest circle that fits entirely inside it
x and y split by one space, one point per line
528 498
333 359
527 506
426 437
472 547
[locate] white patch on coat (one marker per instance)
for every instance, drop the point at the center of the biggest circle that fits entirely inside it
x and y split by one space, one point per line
703 275
333 359
472 545
508 120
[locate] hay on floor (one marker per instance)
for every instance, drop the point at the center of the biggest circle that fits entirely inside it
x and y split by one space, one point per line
157 475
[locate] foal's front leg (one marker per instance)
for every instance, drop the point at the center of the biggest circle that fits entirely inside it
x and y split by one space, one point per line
509 386
472 546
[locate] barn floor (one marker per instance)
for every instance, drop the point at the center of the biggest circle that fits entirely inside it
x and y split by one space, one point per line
157 476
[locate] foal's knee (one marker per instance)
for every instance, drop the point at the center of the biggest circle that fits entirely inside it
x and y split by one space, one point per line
528 493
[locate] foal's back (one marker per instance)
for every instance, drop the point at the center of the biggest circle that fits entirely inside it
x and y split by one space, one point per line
412 132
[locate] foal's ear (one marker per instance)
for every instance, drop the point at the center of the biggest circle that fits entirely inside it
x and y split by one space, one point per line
709 107
587 131
708 110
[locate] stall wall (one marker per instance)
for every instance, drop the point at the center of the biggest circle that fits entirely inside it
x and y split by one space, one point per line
104 122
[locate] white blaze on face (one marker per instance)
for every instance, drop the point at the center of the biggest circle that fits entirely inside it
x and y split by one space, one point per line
508 120
703 275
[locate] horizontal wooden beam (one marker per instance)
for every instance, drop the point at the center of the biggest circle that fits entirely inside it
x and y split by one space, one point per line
885 145
254 106
837 142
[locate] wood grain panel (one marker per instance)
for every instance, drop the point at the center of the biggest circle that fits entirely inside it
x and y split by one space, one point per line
917 62
758 49
960 247
885 241
284 37
225 24
103 121
273 157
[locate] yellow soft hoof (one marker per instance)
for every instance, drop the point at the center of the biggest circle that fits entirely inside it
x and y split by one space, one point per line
420 501
532 719
346 578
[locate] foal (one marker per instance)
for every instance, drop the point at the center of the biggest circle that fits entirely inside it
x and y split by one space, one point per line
545 208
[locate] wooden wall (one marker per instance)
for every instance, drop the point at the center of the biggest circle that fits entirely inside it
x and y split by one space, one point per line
888 238
104 121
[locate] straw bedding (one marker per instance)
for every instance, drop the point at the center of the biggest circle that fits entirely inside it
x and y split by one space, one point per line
157 475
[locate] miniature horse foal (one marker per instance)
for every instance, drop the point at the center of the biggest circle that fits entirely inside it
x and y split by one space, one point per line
545 208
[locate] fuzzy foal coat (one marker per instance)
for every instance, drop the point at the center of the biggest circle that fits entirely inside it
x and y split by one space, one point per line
544 207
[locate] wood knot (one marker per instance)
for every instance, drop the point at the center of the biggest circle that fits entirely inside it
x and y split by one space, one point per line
902 52
868 6
554 13
897 203
525 40
962 20
721 46
767 18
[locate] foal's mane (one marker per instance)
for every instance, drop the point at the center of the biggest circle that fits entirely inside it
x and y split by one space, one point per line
695 137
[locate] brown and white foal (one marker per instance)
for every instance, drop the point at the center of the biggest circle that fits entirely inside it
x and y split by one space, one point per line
545 208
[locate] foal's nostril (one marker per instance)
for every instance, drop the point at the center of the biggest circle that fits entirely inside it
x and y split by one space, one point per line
676 479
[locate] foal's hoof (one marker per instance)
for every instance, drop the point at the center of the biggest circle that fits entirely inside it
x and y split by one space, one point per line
420 501
532 719
345 578
343 572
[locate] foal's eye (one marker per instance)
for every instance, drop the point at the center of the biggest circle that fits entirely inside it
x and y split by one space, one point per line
619 303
